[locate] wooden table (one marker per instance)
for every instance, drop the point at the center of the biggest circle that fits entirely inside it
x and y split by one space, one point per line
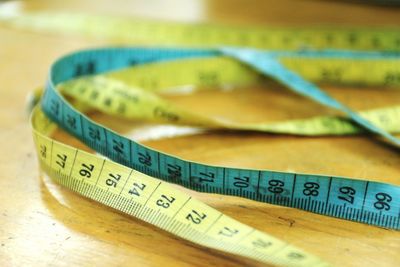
42 224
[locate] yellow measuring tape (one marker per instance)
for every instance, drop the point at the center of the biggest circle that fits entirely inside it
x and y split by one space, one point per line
130 30
157 202
132 93
124 87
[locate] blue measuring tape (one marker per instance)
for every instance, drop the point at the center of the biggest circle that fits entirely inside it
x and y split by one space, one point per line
363 201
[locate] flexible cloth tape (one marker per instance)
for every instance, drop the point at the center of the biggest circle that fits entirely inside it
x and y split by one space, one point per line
130 30
358 200
363 201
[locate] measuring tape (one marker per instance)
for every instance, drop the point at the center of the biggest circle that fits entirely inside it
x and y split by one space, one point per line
363 201
129 30
132 191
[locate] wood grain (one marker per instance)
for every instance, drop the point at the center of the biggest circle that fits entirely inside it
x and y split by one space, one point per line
42 224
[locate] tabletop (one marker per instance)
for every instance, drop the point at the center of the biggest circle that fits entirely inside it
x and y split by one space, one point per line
43 224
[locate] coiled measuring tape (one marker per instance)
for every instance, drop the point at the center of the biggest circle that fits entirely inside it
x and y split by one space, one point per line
131 191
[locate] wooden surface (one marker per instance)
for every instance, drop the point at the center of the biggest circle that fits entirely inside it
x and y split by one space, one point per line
42 224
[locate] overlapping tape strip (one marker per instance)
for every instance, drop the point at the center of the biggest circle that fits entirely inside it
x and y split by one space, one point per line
132 191
310 192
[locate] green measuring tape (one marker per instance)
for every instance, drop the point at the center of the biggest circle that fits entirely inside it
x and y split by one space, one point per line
131 191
